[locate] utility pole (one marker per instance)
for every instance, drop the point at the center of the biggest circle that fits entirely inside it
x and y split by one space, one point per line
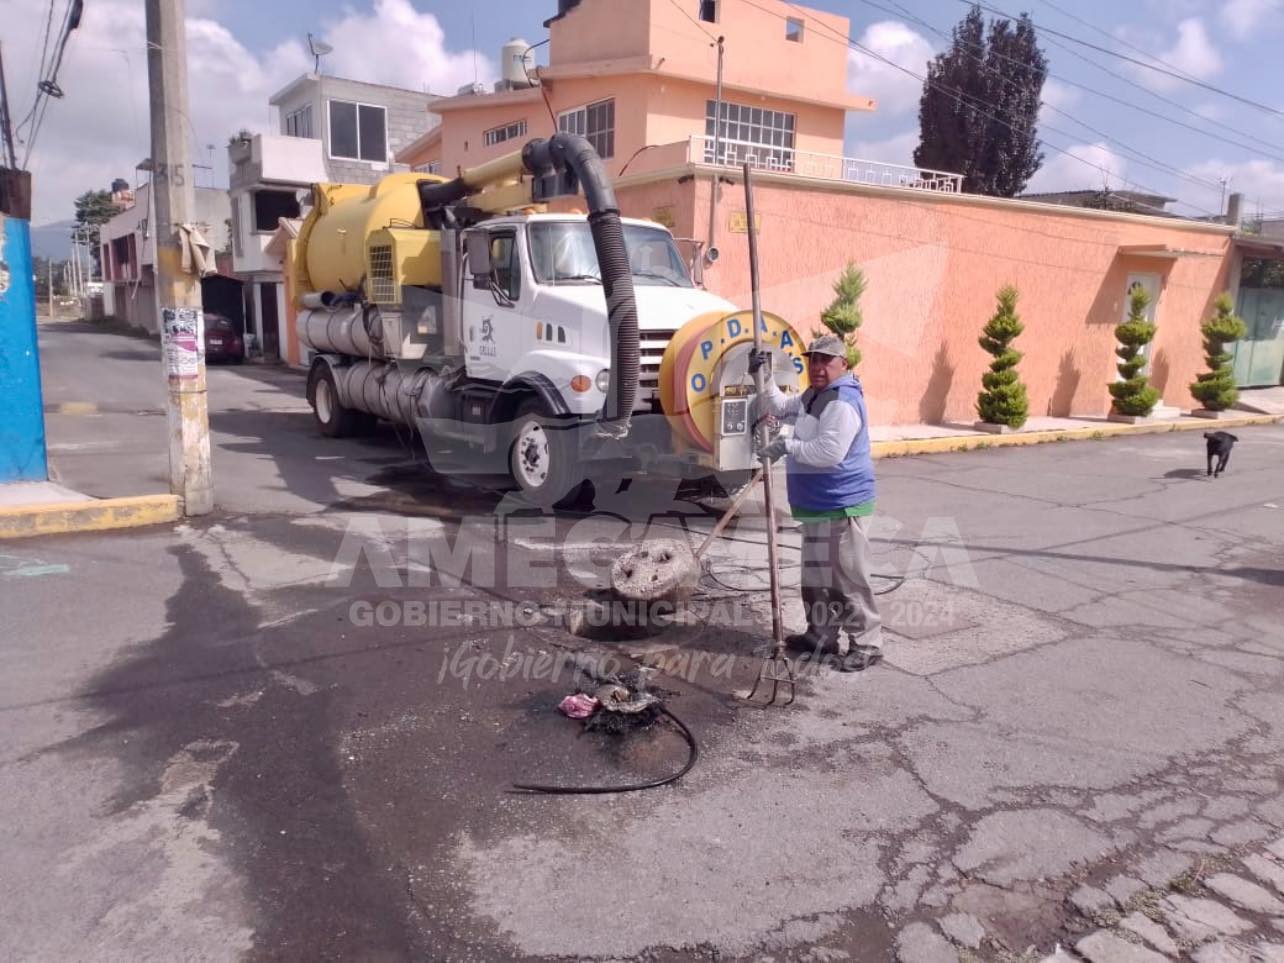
178 293
50 292
717 153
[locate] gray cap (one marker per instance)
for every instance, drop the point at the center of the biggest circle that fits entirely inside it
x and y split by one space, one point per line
830 344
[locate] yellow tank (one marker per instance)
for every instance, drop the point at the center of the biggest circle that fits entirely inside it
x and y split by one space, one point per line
344 218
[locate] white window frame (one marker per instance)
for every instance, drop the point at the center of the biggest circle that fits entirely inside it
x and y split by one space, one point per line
329 131
504 132
761 134
795 29
575 121
294 116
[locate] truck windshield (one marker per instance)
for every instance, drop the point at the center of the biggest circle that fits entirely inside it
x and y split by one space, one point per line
562 253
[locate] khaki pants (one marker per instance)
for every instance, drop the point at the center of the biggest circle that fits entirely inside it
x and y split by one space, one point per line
836 589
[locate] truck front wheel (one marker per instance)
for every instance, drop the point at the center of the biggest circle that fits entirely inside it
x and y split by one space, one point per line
542 459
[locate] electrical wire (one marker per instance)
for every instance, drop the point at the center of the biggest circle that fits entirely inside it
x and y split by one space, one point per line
1146 160
962 98
699 26
693 753
1265 108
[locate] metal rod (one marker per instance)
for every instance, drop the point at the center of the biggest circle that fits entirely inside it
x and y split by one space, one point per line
716 189
6 121
760 376
728 514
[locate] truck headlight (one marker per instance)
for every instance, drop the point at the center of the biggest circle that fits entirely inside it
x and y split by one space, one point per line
603 380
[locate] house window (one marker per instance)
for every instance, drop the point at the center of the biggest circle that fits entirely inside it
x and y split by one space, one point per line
358 132
271 206
432 167
298 123
755 134
497 135
793 29
596 122
709 11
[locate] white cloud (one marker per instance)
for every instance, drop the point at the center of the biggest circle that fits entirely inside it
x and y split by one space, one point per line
1083 167
898 149
100 129
895 91
1260 181
1058 95
1192 53
1242 18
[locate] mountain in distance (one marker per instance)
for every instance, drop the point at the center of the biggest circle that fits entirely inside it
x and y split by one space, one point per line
52 241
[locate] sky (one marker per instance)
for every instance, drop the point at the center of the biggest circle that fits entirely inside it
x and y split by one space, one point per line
1097 124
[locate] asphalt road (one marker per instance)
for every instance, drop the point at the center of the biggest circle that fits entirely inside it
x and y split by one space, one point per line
289 730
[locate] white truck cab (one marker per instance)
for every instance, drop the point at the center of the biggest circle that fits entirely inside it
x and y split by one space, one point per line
540 307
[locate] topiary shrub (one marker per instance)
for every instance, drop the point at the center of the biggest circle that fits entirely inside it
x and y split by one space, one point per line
1004 400
1216 387
843 316
1134 395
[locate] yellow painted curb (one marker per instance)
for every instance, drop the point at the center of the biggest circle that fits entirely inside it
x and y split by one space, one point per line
934 446
99 515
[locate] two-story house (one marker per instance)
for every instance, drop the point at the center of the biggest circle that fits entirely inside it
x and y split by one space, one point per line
329 129
643 75
128 256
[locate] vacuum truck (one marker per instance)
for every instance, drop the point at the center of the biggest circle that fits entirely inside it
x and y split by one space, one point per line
547 348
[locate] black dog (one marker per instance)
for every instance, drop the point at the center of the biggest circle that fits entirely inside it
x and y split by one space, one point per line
1219 446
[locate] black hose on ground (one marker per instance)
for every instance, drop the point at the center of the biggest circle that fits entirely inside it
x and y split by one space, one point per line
693 754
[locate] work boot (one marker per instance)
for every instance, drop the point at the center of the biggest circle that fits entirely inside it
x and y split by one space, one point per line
808 643
858 658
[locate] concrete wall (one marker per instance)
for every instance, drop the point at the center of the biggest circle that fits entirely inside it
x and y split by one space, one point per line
407 119
934 265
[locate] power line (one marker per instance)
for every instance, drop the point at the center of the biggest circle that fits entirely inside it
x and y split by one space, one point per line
1119 100
959 97
1119 40
699 26
1265 108
1141 157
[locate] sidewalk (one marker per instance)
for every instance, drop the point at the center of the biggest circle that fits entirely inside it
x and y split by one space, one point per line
47 508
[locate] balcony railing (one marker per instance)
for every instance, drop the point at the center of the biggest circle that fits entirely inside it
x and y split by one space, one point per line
853 170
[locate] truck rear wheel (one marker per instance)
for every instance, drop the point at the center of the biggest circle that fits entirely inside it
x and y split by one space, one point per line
333 418
542 459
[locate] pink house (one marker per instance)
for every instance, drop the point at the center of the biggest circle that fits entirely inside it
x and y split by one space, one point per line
635 74
639 79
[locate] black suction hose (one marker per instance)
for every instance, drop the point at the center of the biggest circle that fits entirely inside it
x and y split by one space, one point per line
692 755
572 152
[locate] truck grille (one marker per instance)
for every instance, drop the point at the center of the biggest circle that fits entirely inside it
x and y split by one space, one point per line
383 286
651 344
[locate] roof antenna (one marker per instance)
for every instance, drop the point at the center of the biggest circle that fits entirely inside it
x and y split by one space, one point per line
318 49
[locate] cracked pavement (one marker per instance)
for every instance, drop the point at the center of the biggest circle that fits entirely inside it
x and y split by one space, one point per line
207 754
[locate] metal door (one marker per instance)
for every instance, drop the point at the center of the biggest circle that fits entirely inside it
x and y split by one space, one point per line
1259 358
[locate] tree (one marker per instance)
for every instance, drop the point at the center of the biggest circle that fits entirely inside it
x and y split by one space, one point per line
1004 400
1133 394
1216 387
93 210
979 111
843 316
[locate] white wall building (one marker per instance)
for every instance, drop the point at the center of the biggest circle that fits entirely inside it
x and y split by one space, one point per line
329 129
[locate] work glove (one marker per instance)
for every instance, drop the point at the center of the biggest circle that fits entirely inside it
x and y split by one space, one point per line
774 450
757 359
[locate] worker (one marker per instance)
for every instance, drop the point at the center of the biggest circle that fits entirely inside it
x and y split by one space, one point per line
830 477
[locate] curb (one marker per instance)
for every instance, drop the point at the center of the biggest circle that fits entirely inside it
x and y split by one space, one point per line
936 446
99 515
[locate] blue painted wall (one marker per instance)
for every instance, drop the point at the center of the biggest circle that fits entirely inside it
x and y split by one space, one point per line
22 421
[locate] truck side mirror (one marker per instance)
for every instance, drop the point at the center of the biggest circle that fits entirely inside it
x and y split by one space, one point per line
479 266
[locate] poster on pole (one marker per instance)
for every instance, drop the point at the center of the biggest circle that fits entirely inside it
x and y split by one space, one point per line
183 331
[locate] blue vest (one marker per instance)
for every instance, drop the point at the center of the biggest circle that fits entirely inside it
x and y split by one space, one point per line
851 481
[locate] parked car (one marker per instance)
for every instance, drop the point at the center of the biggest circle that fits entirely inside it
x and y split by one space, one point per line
223 340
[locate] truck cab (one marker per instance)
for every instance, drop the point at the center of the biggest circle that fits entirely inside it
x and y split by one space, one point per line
535 307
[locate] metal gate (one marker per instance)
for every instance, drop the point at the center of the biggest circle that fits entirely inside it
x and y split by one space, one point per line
1259 358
